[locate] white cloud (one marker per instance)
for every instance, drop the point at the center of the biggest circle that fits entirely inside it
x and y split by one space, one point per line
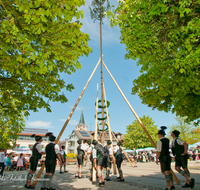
93 29
38 124
71 122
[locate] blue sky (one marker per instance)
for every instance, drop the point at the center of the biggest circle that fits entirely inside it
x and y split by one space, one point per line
124 72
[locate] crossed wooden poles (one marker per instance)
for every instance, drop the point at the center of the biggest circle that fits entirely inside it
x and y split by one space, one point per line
95 135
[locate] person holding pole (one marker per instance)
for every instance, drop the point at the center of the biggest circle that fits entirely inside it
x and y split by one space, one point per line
109 153
52 153
80 156
36 155
100 158
163 156
179 150
119 159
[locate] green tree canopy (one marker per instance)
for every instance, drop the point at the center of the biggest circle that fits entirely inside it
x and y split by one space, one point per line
187 131
39 40
97 10
136 137
164 37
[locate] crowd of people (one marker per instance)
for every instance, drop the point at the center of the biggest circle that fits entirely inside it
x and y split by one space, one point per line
11 161
102 157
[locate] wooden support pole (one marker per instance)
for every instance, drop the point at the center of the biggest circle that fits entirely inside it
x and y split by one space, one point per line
109 130
140 122
67 121
123 150
94 172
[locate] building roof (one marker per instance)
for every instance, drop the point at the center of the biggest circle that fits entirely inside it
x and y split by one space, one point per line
82 122
89 135
29 134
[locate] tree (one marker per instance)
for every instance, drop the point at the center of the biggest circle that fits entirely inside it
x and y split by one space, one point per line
187 131
39 40
164 37
137 137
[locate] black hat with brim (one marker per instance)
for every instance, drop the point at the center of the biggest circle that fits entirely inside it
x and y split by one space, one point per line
52 138
176 133
161 132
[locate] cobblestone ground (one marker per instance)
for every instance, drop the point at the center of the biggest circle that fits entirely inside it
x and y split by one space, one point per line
146 176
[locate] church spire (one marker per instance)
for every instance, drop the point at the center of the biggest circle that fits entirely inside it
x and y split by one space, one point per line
81 122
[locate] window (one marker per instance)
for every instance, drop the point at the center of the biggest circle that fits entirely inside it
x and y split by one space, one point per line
84 133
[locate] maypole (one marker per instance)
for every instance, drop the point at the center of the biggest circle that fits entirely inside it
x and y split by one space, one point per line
97 12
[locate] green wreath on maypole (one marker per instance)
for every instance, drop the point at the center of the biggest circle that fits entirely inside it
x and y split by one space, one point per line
101 119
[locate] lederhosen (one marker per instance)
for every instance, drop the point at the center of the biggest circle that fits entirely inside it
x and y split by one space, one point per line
64 157
101 156
35 157
51 156
119 157
177 150
80 155
165 159
108 161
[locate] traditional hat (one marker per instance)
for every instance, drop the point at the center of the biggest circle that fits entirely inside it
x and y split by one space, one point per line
79 141
176 133
37 137
162 130
51 136
119 143
62 146
89 142
109 142
94 142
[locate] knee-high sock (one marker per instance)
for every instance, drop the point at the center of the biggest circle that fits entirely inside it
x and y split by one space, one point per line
49 183
64 167
108 173
60 168
45 180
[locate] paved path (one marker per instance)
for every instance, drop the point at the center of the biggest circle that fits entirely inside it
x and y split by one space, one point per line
146 176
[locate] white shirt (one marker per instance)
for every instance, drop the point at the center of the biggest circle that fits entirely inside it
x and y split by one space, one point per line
83 147
94 153
39 147
179 141
2 156
159 145
62 152
56 148
116 148
15 158
91 147
110 151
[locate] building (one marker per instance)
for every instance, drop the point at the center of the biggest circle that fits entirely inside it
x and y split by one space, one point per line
25 139
82 134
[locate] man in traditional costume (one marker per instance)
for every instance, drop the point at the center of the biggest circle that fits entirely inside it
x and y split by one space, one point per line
119 160
52 153
36 155
80 156
179 150
64 159
109 154
163 156
99 159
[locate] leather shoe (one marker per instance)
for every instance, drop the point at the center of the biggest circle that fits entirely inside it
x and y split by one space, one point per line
172 187
186 185
192 183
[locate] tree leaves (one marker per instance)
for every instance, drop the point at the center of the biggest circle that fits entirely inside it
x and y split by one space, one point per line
164 37
39 40
136 137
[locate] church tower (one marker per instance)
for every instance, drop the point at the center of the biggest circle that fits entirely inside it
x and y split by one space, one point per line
81 126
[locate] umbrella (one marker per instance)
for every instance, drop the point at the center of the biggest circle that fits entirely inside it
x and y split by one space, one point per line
22 149
128 150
